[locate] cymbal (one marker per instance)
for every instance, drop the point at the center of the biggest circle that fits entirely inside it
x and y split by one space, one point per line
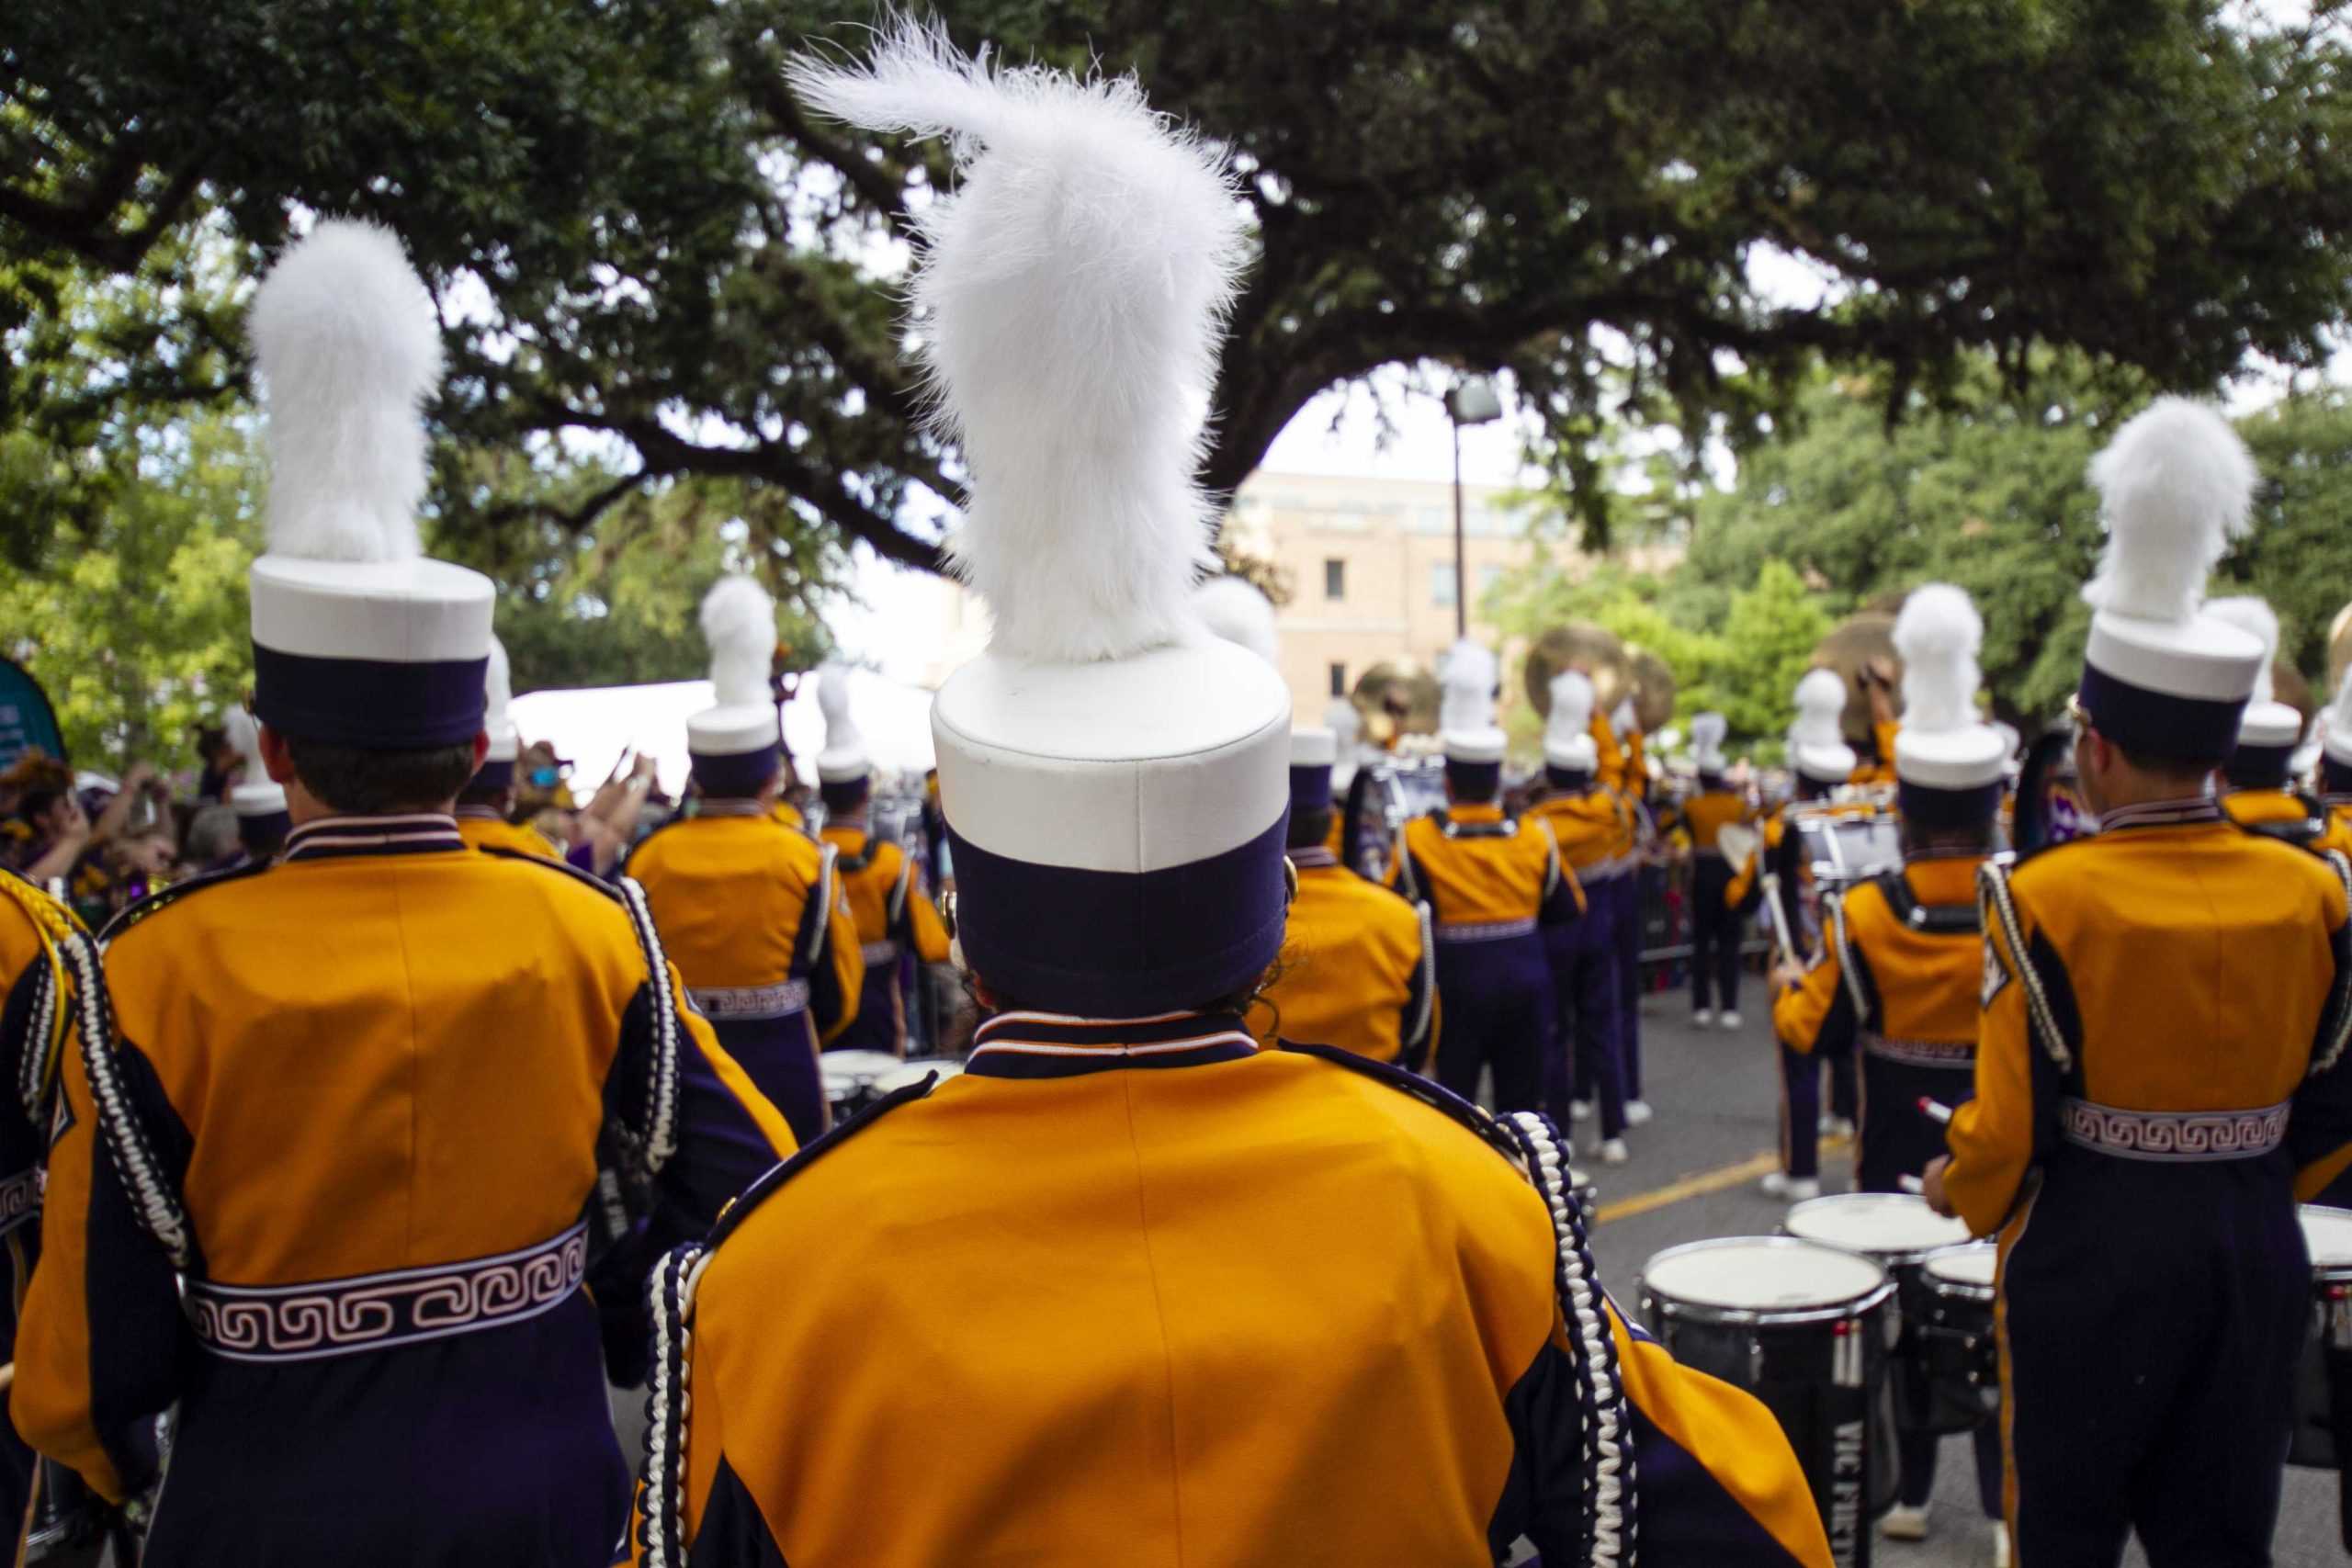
1857 640
1654 688
1395 697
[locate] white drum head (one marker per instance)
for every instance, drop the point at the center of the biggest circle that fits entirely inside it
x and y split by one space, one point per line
845 1070
902 1073
2328 1233
1761 1273
1971 1266
1885 1224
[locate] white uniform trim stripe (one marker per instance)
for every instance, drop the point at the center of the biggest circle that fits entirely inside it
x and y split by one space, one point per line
1157 1048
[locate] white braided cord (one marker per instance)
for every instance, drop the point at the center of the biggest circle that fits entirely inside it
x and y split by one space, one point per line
33 1064
898 889
1608 1453
669 1404
160 1213
1420 1027
662 1094
827 855
1848 970
1994 900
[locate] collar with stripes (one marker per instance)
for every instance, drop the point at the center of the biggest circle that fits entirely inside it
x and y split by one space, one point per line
479 814
1314 857
2161 814
730 807
413 833
1059 1045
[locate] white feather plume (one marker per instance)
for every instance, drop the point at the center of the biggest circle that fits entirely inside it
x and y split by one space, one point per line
1234 609
1339 716
1467 689
2177 486
1707 732
1627 718
1938 635
1571 715
1820 704
2339 712
842 736
739 625
498 688
2249 613
349 349
1070 302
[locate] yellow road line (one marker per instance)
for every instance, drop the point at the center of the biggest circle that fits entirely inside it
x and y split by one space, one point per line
1700 1185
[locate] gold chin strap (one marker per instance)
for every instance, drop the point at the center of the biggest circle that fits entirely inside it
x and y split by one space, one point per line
1290 882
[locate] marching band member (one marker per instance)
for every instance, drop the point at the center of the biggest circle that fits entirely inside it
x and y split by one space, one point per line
1714 925
884 888
1591 828
45 958
754 913
1339 716
1359 968
1488 886
1113 777
2160 1052
333 1123
1820 760
2256 792
484 803
1895 979
258 800
2335 779
1621 766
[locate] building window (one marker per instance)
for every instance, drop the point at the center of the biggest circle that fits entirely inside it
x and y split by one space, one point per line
1335 579
1490 575
1441 585
1339 680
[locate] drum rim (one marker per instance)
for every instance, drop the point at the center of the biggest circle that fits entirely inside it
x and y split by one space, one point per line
1966 1290
1895 1258
1845 1311
2325 1271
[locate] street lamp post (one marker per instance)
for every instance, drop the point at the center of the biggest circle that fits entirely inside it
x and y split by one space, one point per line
1472 402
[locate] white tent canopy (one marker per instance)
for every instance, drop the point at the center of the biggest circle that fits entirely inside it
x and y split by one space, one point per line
593 725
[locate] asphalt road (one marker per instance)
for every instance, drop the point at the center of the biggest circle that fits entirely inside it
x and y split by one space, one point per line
1716 1095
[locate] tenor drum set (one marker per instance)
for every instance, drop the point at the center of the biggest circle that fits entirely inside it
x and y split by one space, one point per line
1872 1316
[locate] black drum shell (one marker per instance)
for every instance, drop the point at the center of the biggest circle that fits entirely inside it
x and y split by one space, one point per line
1952 1357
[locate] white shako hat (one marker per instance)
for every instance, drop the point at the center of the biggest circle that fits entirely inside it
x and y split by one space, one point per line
1467 734
1949 764
735 744
2268 727
497 769
1567 730
1346 724
1818 748
1707 732
256 800
1235 610
359 641
843 769
1313 754
2161 678
1113 776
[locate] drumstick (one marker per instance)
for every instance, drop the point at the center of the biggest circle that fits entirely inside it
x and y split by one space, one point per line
1933 1111
1911 1184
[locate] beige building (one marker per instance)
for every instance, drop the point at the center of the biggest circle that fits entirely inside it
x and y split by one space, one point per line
1369 563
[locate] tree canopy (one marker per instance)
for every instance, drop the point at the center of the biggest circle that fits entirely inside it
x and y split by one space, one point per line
641 238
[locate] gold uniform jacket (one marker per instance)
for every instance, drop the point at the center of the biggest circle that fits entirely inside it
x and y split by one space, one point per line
332 1163
1594 831
1706 813
485 829
1358 968
1479 874
894 916
2171 987
2335 818
2276 814
1114 1296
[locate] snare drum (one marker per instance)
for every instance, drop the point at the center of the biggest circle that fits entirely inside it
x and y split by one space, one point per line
2323 1389
850 1077
1949 1317
1808 1330
1900 1233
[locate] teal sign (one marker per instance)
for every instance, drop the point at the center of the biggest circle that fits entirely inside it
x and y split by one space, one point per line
27 720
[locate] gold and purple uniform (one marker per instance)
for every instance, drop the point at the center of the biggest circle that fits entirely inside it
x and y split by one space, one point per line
1070 1281
2276 814
1359 968
1593 828
1488 883
326 1175
755 919
2335 818
2159 1071
485 828
895 918
1714 924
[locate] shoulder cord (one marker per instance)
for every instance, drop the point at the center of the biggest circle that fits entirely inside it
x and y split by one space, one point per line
663 1530
661 1134
1995 902
2340 1027
55 926
1608 1453
151 1192
1849 971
